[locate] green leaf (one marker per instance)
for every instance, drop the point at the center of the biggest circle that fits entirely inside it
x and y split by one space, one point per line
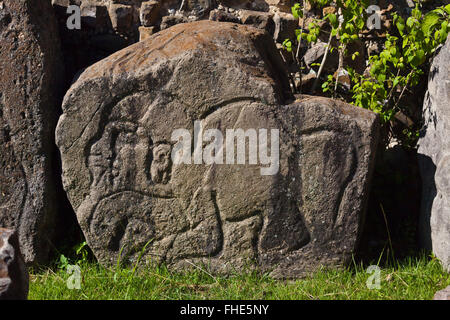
418 58
350 27
430 20
297 11
333 20
444 35
405 43
287 44
360 24
400 25
447 8
444 25
396 81
416 13
440 11
393 51
437 35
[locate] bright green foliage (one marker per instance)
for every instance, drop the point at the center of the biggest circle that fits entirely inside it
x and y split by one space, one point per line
398 68
297 11
353 20
400 64
411 279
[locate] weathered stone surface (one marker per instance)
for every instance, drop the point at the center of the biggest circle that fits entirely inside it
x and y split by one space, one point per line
149 13
434 159
315 55
169 21
329 10
121 16
283 5
94 17
145 32
223 16
31 76
13 272
257 19
115 141
285 26
199 7
444 294
258 5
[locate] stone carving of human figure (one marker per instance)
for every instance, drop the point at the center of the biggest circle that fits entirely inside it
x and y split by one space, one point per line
124 159
142 152
100 162
160 167
124 166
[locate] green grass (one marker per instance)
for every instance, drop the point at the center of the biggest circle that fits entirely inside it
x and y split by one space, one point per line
413 278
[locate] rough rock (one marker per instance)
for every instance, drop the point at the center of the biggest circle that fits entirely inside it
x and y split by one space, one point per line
444 294
121 16
257 19
94 17
434 159
131 197
169 21
13 272
315 53
328 10
223 16
149 13
31 73
258 5
285 26
145 32
282 5
199 7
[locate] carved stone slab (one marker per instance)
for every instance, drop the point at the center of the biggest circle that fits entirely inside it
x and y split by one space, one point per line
133 198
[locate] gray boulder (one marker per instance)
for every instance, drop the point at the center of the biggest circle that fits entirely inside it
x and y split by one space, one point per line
14 280
31 75
443 294
434 159
287 208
